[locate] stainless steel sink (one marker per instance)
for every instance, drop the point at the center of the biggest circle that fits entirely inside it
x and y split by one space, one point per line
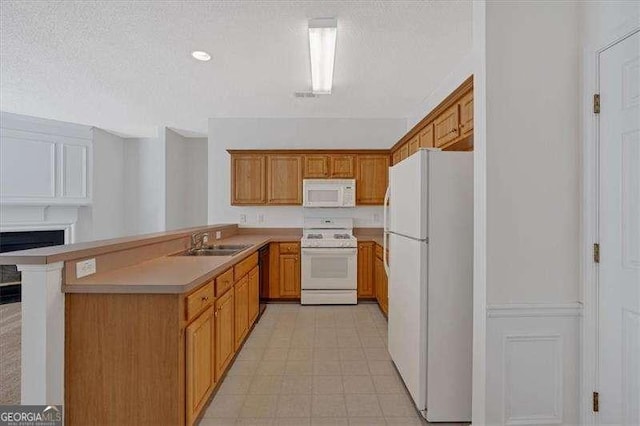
215 250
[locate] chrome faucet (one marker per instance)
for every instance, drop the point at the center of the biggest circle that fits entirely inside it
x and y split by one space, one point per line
198 239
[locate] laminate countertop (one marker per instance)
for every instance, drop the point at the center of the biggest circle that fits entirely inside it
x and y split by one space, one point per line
172 274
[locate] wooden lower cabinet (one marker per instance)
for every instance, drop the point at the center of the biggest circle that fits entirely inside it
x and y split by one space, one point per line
200 374
284 271
254 294
366 287
241 307
382 288
225 342
289 275
136 359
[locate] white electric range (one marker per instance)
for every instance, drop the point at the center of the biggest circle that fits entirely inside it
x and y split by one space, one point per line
329 262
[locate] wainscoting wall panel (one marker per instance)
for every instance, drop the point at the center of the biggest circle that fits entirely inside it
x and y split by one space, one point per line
533 364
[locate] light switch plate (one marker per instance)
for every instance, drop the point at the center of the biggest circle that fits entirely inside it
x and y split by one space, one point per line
86 267
243 218
218 235
260 218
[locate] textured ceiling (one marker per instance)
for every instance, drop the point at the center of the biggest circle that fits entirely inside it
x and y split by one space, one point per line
126 66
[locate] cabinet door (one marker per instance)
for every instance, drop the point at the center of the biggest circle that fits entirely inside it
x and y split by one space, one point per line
241 302
248 179
466 114
284 179
381 285
426 136
365 270
200 375
404 151
225 343
446 126
316 166
342 166
372 179
289 275
395 157
254 294
414 144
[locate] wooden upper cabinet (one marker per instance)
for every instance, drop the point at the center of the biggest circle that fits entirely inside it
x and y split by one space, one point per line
404 151
372 179
248 183
284 179
199 363
316 166
395 157
466 114
446 127
414 144
342 166
426 136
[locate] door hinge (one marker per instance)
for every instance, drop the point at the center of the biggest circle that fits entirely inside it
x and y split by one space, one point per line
596 103
596 402
596 253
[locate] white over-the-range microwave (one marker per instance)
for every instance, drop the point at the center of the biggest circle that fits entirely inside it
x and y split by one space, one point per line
329 193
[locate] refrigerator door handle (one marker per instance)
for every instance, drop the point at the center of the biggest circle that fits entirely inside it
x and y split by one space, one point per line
385 235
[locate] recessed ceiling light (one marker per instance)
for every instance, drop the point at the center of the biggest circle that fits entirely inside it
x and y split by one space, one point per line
200 55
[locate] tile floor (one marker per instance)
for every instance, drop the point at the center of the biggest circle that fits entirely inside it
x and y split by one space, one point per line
314 365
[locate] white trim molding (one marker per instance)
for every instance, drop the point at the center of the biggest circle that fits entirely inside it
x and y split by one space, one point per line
544 310
533 361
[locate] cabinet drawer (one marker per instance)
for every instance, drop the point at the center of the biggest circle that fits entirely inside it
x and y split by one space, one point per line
198 300
243 267
289 248
224 282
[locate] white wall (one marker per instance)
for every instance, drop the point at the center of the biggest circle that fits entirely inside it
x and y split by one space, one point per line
532 213
289 133
145 189
532 152
186 175
455 78
105 218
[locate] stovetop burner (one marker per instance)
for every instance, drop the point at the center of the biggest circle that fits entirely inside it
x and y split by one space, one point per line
341 236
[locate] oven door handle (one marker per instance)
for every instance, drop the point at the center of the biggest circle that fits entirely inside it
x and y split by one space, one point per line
329 250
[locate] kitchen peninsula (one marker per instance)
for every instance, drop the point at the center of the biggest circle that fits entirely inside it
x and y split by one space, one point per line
149 333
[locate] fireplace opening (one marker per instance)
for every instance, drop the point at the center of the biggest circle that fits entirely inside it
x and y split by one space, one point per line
10 277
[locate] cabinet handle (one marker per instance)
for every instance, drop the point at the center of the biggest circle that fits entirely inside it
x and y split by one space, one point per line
215 314
205 298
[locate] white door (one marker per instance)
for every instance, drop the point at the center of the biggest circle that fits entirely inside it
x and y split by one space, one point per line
408 206
329 268
408 313
619 229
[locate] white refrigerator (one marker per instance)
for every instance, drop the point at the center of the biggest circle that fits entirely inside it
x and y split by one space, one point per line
429 233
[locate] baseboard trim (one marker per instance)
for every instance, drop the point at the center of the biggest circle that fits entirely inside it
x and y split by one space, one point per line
520 310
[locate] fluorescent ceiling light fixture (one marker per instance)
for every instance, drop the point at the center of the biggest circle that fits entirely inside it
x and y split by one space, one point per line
322 47
200 55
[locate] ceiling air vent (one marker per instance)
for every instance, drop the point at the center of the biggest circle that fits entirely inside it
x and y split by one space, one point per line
304 95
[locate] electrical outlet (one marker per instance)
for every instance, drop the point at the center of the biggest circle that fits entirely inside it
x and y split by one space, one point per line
86 267
218 235
260 218
243 218
376 217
